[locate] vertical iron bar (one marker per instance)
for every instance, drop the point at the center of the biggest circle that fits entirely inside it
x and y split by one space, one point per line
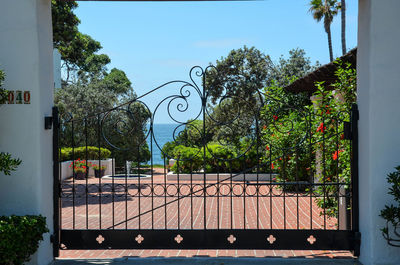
56 184
204 152
140 188
113 189
177 190
271 187
354 177
297 187
284 190
87 174
311 171
337 174
165 196
100 188
218 190
324 165
126 193
231 192
244 192
73 175
191 196
258 171
152 175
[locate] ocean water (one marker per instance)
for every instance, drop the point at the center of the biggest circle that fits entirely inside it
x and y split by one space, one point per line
162 133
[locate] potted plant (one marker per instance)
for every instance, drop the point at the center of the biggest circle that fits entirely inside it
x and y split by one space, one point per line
79 168
98 170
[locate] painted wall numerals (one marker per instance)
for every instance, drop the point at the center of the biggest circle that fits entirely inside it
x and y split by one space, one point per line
18 97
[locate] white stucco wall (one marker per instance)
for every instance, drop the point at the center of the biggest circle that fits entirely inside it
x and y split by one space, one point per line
26 57
379 104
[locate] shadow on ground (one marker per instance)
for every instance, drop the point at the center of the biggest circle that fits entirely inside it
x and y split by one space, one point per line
204 260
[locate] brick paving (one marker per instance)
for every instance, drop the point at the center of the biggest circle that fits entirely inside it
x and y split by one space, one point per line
231 205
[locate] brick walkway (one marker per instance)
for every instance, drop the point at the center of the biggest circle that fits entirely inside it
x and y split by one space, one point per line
222 207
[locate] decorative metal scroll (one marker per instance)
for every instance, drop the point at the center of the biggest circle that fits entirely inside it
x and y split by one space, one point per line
231 162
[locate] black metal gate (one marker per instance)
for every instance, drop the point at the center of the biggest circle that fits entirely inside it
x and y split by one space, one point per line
239 179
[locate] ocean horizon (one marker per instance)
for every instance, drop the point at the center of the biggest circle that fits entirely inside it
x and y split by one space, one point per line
163 133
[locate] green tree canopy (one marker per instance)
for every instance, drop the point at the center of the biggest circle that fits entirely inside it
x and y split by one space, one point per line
241 74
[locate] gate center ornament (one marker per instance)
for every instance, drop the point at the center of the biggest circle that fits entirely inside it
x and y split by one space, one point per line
178 239
100 239
271 239
231 239
311 239
139 239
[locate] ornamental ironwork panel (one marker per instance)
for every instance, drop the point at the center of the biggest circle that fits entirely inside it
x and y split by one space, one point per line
242 170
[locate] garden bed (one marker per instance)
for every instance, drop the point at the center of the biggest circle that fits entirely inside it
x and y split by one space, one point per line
66 170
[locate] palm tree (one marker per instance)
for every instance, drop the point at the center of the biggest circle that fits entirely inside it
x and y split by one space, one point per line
343 13
325 9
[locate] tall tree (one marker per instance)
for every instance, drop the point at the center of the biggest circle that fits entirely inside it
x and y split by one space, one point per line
343 14
326 10
77 49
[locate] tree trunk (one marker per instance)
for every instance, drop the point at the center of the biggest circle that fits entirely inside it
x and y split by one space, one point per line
343 13
328 31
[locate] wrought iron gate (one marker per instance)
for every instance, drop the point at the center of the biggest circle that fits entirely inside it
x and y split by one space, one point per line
230 188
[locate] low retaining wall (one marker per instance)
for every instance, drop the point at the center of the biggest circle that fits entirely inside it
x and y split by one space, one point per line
66 171
222 176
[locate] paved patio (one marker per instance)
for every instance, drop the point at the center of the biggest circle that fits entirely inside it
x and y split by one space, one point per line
245 205
208 261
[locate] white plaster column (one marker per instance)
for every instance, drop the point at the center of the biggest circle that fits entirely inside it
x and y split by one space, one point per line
378 64
26 58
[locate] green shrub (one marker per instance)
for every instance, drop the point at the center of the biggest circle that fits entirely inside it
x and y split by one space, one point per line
219 158
8 164
67 153
19 237
391 213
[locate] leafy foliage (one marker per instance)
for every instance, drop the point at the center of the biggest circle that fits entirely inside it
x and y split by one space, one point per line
391 213
19 237
3 92
8 164
91 152
332 108
241 74
217 158
295 66
284 135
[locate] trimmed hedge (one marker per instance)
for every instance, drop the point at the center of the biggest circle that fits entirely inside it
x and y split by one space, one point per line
19 237
80 152
218 159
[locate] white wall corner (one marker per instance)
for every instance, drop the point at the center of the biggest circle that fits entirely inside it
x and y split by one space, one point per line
378 99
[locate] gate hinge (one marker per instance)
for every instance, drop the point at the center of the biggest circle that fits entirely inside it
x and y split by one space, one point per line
357 244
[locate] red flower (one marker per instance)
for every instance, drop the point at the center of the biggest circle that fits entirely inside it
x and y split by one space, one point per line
342 137
321 127
335 155
267 148
265 127
272 165
275 117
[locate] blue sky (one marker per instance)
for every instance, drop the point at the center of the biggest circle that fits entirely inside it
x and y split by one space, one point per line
156 42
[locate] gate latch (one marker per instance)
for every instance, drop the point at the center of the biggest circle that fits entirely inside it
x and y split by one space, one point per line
347 130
